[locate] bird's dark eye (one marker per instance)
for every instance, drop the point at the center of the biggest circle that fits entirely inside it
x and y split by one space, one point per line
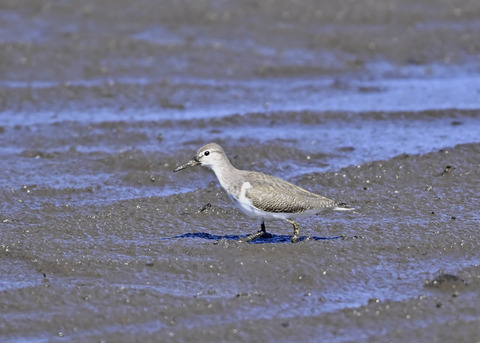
206 153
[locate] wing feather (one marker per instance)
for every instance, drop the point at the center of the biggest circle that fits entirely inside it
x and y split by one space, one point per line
272 194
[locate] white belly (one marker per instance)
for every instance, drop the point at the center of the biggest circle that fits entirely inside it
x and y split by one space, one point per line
251 211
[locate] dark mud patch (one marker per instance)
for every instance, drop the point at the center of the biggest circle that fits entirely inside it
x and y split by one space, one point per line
446 282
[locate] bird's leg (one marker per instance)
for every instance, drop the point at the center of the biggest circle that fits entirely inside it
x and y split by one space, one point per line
255 235
265 233
295 238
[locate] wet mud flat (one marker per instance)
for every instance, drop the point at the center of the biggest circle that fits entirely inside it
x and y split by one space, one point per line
373 103
405 263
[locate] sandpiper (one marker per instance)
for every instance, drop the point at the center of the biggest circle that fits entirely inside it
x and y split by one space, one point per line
259 195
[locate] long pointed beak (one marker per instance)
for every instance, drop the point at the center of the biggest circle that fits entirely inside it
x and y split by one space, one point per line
192 163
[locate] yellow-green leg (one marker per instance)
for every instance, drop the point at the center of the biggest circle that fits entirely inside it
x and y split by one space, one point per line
295 238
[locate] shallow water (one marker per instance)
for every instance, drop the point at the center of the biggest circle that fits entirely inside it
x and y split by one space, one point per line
364 102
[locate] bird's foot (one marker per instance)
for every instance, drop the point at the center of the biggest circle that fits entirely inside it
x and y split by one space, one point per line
223 241
295 239
252 237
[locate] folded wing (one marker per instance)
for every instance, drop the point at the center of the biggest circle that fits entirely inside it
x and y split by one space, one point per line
280 196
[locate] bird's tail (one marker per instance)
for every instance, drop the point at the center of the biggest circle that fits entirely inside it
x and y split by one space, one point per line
341 206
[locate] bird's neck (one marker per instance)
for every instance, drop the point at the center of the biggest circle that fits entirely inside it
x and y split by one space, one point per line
224 171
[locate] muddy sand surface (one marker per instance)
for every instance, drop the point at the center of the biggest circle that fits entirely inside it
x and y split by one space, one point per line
375 103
